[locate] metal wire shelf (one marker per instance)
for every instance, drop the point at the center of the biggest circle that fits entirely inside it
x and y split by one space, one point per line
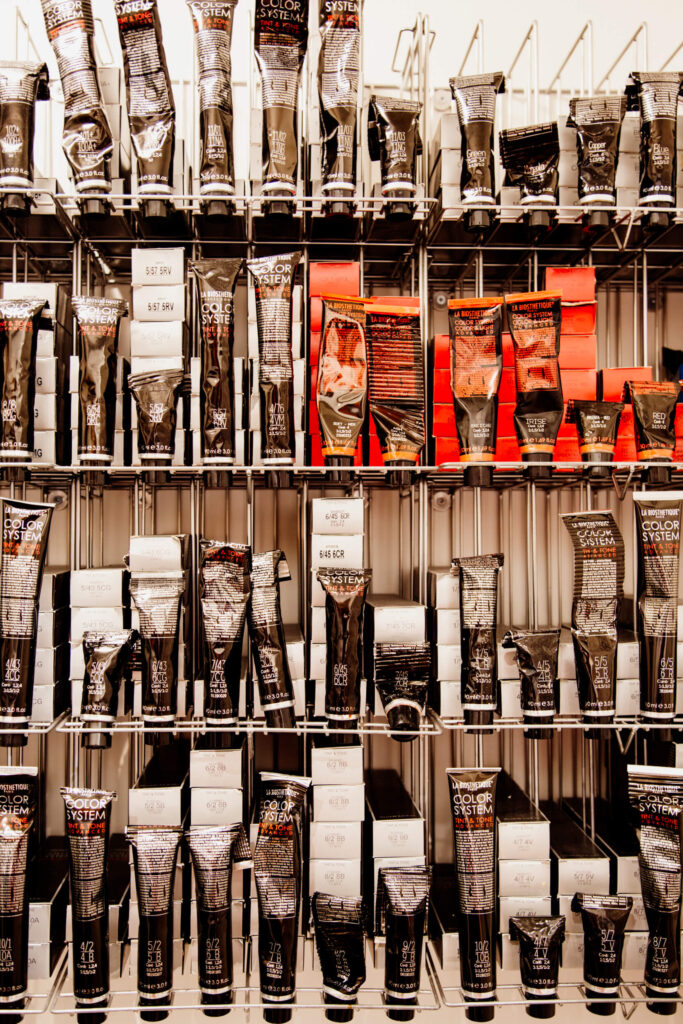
40 994
630 995
631 724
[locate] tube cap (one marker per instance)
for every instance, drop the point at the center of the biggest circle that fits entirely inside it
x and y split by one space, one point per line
405 1012
96 740
543 471
598 219
155 209
277 1015
338 208
658 220
481 1012
282 718
660 1005
218 208
658 475
539 734
91 1016
15 204
211 1000
94 208
538 221
10 738
478 475
278 207
478 221
339 1010
542 1011
474 717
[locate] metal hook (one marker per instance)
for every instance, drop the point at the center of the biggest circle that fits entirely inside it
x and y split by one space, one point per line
621 493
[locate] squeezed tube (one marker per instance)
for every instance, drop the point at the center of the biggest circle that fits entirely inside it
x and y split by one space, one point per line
155 855
107 657
213 24
537 653
535 321
658 519
19 323
21 85
396 381
531 158
157 597
658 93
597 424
216 281
151 110
274 286
88 820
654 415
478 619
598 590
394 140
604 920
540 944
14 843
475 327
338 89
345 593
403 905
280 41
475 102
98 323
87 139
340 942
269 648
597 120
25 532
342 385
214 853
402 676
156 400
473 806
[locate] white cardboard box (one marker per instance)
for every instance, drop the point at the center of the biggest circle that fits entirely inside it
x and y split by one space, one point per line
159 302
329 551
524 878
337 765
337 877
335 840
157 267
216 806
339 802
338 516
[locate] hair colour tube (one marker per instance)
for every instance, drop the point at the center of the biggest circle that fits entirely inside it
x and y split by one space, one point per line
277 870
25 532
224 589
475 327
19 323
216 280
396 380
107 657
654 415
402 676
597 120
535 321
658 93
402 909
473 806
658 519
280 41
537 654
88 820
345 592
394 140
342 385
540 944
21 85
340 942
156 400
598 589
18 792
531 158
98 323
14 842
475 101
151 110
157 597
87 139
155 854
274 286
597 424
338 86
478 620
213 21
267 634
604 921
214 852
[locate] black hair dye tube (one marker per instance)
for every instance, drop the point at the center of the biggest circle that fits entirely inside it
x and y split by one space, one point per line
87 139
475 327
340 942
280 41
531 158
537 654
654 417
604 921
214 852
540 944
597 424
151 110
88 820
658 519
396 381
394 140
402 909
216 281
155 854
473 806
14 844
269 648
224 589
597 120
402 676
213 22
19 795
345 593
107 657
157 597
598 589
21 85
25 532
19 323
274 286
478 620
342 385
156 399
338 86
277 871
658 93
98 323
475 102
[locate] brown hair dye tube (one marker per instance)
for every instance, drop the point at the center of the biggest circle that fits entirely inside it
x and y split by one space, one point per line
604 921
345 593
394 140
540 945
597 425
531 158
342 386
107 657
269 648
478 619
402 909
475 327
338 89
224 589
98 323
597 120
537 654
157 597
654 415
658 93
340 943
156 399
19 323
402 676
396 380
475 102
21 85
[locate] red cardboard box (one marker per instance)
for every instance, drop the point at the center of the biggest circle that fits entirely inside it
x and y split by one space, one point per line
625 449
316 315
442 352
577 351
507 450
447 449
579 384
577 284
375 452
443 393
317 458
613 380
411 301
443 420
314 348
567 450
333 279
579 317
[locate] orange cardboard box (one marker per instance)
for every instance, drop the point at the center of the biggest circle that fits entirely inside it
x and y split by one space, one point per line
443 420
333 279
579 317
613 380
577 284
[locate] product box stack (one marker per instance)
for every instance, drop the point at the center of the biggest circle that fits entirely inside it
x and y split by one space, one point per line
568 191
100 603
113 91
51 438
509 679
51 680
118 898
628 167
239 410
391 620
611 388
445 168
48 887
443 593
